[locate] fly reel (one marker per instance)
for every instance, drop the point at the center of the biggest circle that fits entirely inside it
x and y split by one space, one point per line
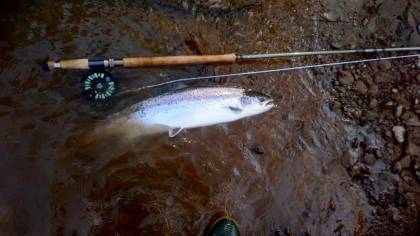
99 85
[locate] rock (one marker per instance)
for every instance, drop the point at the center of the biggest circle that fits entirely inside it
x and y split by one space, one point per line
399 133
365 21
397 167
394 90
385 65
361 87
413 121
418 64
350 158
346 78
330 16
336 106
370 159
399 110
373 103
416 109
407 115
337 44
370 115
373 90
418 77
360 171
412 149
405 162
389 104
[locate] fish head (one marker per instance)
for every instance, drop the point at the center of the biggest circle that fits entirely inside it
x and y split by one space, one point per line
254 103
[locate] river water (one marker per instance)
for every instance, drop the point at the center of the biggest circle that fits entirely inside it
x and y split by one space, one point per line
271 172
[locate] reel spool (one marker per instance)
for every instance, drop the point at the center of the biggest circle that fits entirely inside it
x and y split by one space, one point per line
99 85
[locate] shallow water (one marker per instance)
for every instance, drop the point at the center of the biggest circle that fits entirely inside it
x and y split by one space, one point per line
53 185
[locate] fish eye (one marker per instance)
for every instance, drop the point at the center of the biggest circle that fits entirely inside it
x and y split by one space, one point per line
261 98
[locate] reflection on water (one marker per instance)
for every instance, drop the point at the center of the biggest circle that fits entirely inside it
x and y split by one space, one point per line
52 184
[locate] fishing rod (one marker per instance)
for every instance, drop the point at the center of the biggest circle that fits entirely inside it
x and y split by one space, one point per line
100 84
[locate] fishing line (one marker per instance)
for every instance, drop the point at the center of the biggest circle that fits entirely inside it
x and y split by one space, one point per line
286 69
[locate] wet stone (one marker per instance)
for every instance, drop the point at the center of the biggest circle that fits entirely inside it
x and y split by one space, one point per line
396 168
337 44
385 65
369 159
373 103
361 87
412 149
330 16
413 121
336 106
370 115
346 78
399 133
373 90
405 162
399 110
350 158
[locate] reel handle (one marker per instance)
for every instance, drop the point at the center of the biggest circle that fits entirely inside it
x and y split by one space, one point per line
177 60
133 62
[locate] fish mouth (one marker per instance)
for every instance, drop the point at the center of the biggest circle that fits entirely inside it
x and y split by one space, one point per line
269 103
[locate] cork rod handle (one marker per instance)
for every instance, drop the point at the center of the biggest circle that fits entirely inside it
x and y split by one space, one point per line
178 60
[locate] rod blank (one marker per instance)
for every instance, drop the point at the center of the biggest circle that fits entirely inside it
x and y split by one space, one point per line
200 59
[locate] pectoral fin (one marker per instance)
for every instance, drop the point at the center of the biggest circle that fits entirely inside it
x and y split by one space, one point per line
235 109
174 131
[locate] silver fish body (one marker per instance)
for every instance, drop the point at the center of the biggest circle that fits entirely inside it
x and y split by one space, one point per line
190 108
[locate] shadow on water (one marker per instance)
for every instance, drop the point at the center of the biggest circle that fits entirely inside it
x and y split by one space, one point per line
158 185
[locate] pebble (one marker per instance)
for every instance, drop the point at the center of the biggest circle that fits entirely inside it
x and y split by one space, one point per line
346 78
385 65
365 21
413 121
394 90
397 167
373 103
412 149
361 87
416 108
337 44
405 162
399 110
374 89
389 104
370 159
337 106
370 115
330 16
399 133
350 158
